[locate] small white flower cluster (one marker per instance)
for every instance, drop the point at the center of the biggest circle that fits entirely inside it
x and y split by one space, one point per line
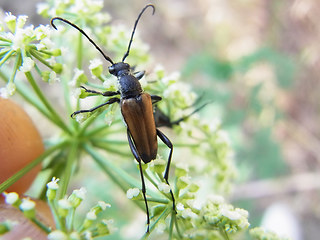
26 205
25 44
20 36
66 207
217 213
88 10
259 233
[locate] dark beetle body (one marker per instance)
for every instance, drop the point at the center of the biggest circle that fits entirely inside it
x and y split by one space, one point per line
138 114
136 108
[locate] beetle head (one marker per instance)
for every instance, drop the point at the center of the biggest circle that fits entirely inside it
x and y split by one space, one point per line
119 68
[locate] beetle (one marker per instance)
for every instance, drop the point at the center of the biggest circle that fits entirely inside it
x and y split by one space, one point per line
136 109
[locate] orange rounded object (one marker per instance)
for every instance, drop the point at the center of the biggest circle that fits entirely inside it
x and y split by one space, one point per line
20 144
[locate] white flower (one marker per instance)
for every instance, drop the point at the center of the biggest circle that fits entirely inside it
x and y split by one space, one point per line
8 90
91 215
180 207
18 40
42 31
96 67
74 236
42 8
76 92
64 204
9 17
53 77
21 21
80 193
79 76
110 83
187 213
27 65
94 63
82 117
230 213
133 192
57 235
47 42
27 204
28 32
11 197
103 205
53 184
87 235
164 187
216 199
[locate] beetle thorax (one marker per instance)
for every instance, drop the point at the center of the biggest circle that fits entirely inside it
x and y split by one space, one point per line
129 86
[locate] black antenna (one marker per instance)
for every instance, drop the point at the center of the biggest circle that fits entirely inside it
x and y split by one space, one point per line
134 29
81 31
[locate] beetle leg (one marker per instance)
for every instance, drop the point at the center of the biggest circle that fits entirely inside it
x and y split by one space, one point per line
138 158
167 142
139 74
105 94
155 98
176 122
110 101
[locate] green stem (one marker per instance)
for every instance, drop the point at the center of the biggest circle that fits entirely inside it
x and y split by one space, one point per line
55 214
30 166
72 156
40 58
5 58
119 176
172 220
15 69
163 215
55 117
79 51
224 234
41 225
66 94
178 228
110 149
158 200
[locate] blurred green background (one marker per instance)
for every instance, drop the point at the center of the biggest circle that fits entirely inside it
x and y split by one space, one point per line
258 61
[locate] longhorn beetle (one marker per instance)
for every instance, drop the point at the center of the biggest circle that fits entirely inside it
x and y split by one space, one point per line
136 108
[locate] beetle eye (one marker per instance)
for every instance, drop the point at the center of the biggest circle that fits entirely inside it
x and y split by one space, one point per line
111 69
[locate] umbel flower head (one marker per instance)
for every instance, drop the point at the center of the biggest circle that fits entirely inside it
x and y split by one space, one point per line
25 44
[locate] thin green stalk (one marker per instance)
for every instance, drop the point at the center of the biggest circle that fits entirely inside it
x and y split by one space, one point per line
66 94
70 222
72 157
55 117
55 214
172 220
15 69
30 166
158 200
5 58
40 58
163 215
110 141
224 234
41 225
87 123
109 149
178 228
114 172
104 129
80 51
